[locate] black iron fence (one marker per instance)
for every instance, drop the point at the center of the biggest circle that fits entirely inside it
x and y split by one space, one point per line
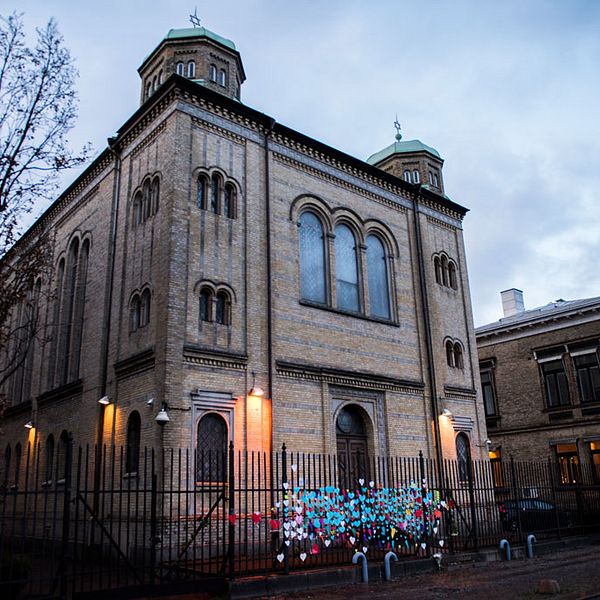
98 519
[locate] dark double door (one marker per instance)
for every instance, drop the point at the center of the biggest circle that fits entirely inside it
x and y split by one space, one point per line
353 464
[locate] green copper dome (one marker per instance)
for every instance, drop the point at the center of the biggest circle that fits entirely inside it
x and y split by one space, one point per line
191 32
409 146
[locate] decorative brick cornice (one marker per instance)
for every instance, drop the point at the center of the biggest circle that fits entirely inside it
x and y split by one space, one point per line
135 364
220 130
353 379
198 355
459 393
149 138
74 388
441 224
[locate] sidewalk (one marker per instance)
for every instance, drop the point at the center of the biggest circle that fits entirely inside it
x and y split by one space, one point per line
577 570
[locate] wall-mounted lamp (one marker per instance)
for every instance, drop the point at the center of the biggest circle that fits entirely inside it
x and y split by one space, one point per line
447 413
105 400
150 402
29 425
162 418
255 390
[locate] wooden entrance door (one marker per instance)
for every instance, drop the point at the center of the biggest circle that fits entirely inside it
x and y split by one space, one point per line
352 447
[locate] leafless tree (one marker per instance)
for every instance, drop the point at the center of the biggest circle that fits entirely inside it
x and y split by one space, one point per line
38 107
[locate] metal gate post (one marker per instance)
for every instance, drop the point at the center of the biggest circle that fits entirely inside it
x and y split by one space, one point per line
66 517
286 564
153 526
423 505
231 532
472 502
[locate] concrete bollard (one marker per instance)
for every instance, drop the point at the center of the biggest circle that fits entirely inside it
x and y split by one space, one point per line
506 545
365 568
386 563
530 540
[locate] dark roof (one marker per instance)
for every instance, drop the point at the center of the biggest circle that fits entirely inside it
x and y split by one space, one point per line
558 309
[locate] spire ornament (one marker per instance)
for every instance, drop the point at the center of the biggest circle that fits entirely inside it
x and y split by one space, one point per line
195 19
397 126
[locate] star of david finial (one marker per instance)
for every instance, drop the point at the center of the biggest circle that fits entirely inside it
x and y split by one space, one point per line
397 126
195 19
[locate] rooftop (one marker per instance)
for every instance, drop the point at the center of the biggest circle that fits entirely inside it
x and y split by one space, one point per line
552 310
191 32
400 147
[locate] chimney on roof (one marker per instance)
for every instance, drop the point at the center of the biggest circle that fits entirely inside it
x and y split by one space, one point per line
512 302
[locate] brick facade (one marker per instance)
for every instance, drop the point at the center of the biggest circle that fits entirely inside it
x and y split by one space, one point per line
310 360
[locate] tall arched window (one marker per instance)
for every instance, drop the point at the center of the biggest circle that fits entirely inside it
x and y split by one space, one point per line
49 456
438 269
160 77
463 456
215 192
154 84
68 305
180 68
379 297
191 69
138 218
202 194
18 452
147 199
6 473
144 318
132 443
444 261
212 448
229 201
346 269
416 177
312 258
78 311
134 313
458 356
213 73
450 353
148 90
205 305
61 457
222 77
452 275
155 194
222 308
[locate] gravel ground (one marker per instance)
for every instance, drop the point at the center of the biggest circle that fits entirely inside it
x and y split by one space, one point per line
576 570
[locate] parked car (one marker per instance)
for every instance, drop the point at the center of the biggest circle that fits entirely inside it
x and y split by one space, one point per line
533 515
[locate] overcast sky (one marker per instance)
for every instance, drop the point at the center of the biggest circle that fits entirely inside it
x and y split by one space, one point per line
508 92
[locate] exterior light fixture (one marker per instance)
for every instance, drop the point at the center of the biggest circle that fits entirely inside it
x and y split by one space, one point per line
447 413
105 400
488 442
162 418
255 390
29 425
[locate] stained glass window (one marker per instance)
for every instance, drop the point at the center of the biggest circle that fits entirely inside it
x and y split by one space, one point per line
312 258
379 297
212 448
463 456
132 446
346 271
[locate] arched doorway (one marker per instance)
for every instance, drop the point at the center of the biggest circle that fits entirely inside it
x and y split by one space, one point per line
352 446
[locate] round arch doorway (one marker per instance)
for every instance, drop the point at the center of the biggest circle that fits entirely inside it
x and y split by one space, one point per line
352 447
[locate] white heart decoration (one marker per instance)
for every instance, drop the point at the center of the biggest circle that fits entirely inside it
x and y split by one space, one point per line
287 542
443 504
286 525
343 523
371 483
277 504
352 540
294 467
361 481
303 556
286 503
286 533
301 482
298 510
435 530
327 542
305 535
423 545
441 542
285 485
365 549
280 557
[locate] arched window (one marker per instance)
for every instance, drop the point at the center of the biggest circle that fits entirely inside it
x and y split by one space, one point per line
160 77
144 303
458 356
430 178
180 68
132 443
61 457
78 311
212 448
416 177
148 90
450 353
312 258
436 182
222 77
134 313
438 269
154 80
6 473
452 275
222 308
346 270
205 304
18 452
213 73
191 69
68 306
229 201
406 176
444 261
147 199
379 297
137 209
49 456
215 192
155 195
202 193
463 456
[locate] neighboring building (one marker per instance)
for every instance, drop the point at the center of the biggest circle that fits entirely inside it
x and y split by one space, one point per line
210 250
540 379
